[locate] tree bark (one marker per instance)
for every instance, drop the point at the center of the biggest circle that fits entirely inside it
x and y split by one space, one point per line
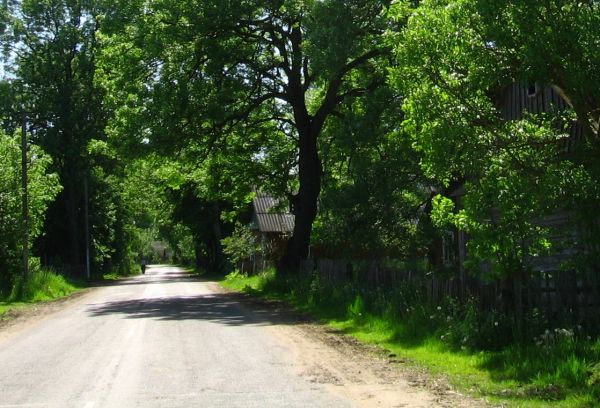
73 224
304 205
309 127
305 202
217 258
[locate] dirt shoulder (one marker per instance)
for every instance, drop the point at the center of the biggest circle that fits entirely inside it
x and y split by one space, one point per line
25 314
365 374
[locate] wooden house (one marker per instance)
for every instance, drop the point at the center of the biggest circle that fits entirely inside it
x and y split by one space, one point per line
551 286
513 102
273 224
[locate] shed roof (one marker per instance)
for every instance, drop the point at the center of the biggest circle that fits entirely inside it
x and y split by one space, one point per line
266 219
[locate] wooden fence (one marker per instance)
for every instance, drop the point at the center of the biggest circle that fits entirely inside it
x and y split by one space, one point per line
556 294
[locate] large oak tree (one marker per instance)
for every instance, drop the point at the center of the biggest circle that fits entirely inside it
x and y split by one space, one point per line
193 73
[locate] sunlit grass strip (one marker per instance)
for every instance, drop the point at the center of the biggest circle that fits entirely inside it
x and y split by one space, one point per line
559 369
43 285
5 307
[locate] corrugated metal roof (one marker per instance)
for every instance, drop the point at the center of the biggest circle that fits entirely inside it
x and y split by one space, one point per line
263 203
266 219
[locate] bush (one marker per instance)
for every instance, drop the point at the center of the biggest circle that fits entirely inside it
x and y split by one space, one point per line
241 245
234 275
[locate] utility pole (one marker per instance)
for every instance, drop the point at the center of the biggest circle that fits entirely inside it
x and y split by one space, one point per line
24 199
87 229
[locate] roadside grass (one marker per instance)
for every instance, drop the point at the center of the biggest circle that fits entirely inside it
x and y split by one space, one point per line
43 285
112 276
5 307
117 275
244 283
559 368
123 271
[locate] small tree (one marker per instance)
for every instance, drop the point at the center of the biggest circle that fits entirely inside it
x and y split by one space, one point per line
43 187
241 245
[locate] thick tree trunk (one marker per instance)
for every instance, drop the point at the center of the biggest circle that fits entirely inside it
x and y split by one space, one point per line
217 261
72 200
305 202
304 205
198 254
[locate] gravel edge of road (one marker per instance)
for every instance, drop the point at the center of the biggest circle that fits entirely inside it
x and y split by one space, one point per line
27 312
416 374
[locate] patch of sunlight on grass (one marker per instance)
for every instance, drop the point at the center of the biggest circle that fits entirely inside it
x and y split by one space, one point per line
42 285
368 329
5 307
243 283
463 369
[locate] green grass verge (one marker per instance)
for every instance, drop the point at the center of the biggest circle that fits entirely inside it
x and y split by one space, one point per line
113 276
42 286
5 307
559 369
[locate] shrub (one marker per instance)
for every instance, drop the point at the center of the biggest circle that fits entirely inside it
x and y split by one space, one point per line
241 245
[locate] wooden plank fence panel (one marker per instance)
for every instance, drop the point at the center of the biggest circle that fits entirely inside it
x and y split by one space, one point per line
551 293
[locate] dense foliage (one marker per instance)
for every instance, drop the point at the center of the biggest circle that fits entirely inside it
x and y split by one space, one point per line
246 76
456 60
43 188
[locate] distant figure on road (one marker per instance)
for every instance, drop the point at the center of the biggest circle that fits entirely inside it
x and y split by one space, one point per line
143 262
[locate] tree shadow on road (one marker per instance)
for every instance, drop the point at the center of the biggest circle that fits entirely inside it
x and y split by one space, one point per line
232 309
141 281
151 278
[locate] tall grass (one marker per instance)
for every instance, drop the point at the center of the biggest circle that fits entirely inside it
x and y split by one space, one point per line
557 367
42 285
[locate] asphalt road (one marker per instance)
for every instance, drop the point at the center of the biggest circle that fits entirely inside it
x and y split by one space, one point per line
163 339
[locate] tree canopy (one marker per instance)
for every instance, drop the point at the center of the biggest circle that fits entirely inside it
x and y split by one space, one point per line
205 73
458 62
364 116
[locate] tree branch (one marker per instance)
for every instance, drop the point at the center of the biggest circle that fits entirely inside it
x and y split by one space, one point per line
332 98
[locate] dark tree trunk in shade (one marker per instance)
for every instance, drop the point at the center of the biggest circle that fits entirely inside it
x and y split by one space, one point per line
304 205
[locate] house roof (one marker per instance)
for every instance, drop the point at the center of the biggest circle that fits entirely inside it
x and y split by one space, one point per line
266 219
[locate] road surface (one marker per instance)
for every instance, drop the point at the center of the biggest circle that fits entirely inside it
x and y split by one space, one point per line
167 339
